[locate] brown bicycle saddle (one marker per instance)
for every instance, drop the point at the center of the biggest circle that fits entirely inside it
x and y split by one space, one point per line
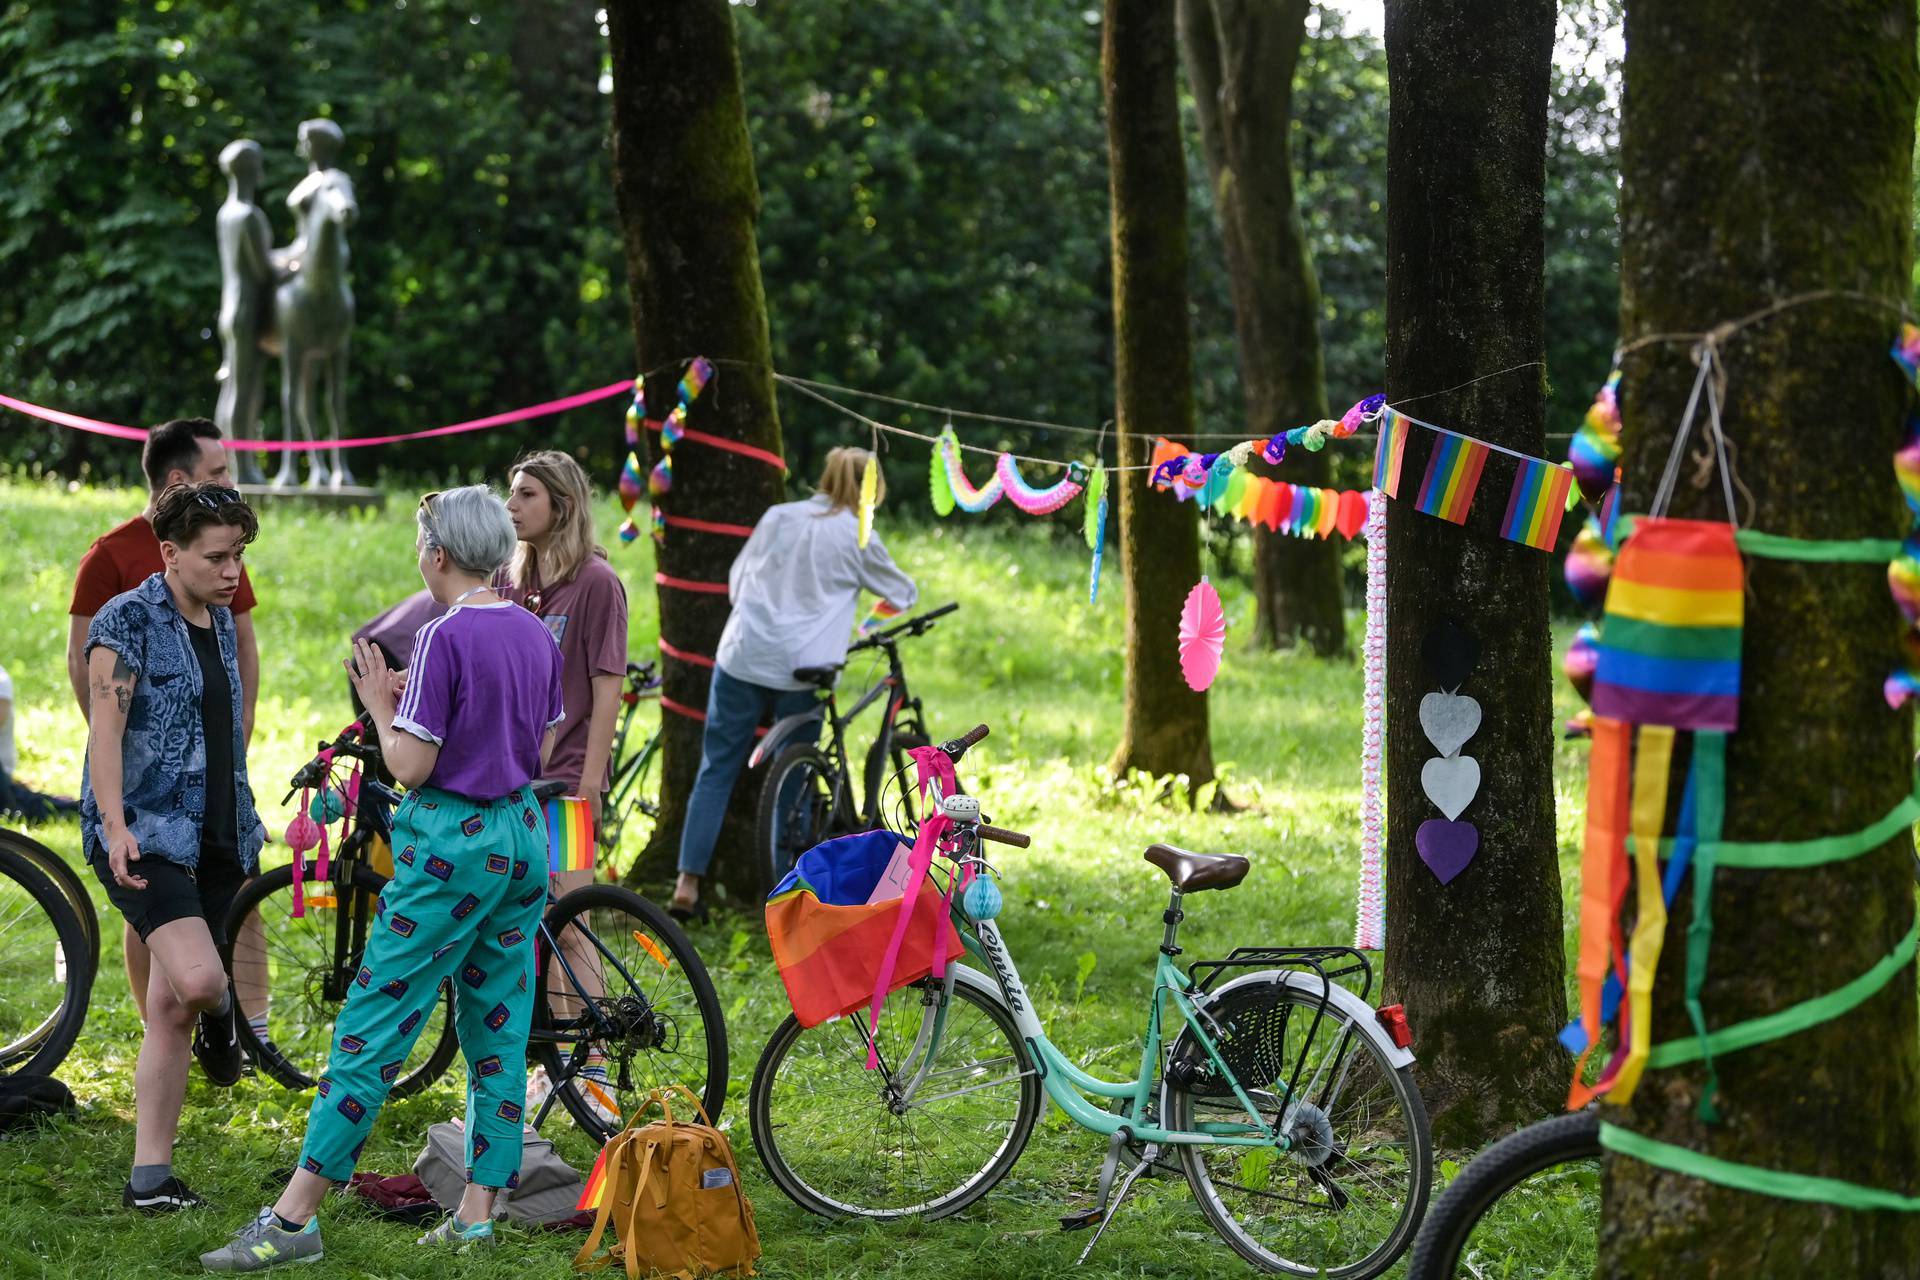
1192 872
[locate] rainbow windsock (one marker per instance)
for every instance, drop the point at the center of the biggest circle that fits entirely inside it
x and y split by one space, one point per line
1538 501
1670 645
883 612
1453 473
1391 453
569 834
596 1184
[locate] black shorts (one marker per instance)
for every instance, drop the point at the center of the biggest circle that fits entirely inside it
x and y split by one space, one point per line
175 893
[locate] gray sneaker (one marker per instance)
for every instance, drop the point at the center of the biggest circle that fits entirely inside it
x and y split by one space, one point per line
264 1243
460 1235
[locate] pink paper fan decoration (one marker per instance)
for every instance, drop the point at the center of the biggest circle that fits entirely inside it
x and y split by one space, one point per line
1203 634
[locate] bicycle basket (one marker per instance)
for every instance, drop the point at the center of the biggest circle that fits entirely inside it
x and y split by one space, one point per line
1249 1026
828 939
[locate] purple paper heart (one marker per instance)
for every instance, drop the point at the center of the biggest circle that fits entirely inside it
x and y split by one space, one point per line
1446 847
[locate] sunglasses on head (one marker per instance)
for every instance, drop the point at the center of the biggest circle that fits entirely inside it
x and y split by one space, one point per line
215 499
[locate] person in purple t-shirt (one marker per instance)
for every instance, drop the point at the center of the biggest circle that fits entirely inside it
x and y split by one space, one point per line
471 730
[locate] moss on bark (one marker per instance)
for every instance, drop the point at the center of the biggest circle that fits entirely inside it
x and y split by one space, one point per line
688 201
1766 153
1165 731
1478 962
1241 56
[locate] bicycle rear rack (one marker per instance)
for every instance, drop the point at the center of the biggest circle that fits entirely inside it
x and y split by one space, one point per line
1326 963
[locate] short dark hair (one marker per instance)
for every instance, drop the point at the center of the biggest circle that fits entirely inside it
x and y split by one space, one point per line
174 445
185 509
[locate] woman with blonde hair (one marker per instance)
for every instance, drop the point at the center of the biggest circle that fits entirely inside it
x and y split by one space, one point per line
794 588
561 575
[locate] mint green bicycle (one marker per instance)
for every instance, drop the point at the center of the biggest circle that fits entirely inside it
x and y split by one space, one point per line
1288 1099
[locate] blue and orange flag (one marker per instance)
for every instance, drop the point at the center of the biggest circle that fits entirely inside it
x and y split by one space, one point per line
1453 473
1538 501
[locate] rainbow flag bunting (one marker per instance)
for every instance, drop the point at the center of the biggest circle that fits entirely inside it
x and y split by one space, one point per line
1390 454
1453 473
1538 501
569 834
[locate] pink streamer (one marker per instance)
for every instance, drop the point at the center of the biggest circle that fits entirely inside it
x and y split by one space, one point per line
540 410
918 865
1369 933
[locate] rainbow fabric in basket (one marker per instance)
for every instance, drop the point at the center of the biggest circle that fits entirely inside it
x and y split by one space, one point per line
828 940
569 834
1670 644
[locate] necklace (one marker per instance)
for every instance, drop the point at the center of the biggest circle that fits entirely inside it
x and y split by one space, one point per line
471 591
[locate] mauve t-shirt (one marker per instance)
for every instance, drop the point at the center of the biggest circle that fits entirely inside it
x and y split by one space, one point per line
484 686
588 618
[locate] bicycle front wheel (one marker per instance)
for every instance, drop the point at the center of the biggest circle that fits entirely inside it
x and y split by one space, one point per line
654 1017
45 978
797 809
1535 1194
309 962
1345 1198
843 1141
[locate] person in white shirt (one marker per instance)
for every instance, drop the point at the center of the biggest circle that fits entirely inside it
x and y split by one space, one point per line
17 797
794 589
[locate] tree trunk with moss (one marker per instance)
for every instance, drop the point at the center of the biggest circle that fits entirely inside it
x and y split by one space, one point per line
684 184
1478 961
1165 730
1240 57
1783 171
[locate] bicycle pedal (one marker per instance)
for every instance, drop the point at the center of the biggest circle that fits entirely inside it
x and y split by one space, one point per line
1080 1219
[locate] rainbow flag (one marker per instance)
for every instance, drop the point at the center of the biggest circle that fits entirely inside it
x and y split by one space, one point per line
883 612
1670 644
1390 453
827 939
1453 473
596 1184
569 834
1538 501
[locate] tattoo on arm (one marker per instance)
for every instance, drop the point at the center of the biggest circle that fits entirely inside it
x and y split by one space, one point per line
118 686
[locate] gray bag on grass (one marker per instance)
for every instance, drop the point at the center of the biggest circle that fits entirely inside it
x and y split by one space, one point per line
549 1187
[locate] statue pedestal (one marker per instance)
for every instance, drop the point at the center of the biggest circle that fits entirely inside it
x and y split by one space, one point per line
346 496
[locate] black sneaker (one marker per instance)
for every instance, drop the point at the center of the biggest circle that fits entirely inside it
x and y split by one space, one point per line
170 1196
218 1048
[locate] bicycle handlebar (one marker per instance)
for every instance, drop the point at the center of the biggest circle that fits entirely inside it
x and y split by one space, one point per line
957 747
1001 835
917 625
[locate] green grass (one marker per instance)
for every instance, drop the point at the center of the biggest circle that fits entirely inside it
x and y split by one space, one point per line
1025 653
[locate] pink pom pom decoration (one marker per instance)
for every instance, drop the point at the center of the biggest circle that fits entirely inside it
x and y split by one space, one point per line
303 833
1203 636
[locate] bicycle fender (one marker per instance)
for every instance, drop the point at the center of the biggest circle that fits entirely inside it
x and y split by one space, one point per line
1361 1013
777 736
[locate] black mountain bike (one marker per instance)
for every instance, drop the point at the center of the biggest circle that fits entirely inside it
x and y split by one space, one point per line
650 1011
632 795
809 792
49 954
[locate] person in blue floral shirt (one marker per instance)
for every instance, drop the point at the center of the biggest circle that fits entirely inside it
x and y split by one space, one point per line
166 816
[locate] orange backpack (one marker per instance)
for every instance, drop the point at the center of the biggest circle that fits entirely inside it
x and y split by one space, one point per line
671 1192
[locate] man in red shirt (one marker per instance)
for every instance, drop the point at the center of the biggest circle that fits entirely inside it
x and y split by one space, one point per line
185 451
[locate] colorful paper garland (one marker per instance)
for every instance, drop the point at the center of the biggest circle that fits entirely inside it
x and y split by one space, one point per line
950 487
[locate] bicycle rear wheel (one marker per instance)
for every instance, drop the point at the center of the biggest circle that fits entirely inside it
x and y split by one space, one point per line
632 804
644 978
68 881
45 977
797 809
1527 1206
309 970
1345 1200
843 1141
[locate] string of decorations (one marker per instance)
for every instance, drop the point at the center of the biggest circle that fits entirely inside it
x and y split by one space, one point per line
672 428
1903 572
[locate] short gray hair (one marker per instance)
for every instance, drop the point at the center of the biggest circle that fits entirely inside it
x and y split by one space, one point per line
471 525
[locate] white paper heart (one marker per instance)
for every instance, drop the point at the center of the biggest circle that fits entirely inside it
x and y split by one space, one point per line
1449 719
1451 782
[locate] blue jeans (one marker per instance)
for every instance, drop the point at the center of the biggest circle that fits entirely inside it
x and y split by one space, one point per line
734 711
